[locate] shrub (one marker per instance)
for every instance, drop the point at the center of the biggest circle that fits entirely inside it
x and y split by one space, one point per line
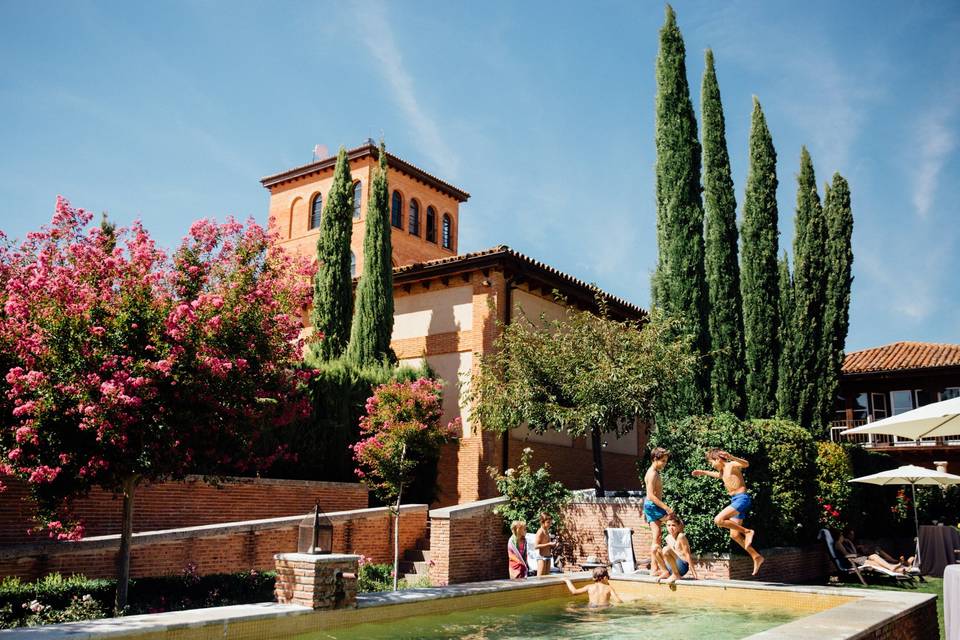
379 577
529 493
780 478
56 598
834 471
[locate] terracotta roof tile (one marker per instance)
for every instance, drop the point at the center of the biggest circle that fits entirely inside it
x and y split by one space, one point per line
507 252
902 355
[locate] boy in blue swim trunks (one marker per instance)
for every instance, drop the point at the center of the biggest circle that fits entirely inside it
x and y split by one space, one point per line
729 468
655 509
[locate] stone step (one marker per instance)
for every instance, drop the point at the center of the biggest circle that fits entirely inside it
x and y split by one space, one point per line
422 568
417 555
413 577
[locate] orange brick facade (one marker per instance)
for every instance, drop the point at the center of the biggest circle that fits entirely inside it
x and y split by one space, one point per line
169 505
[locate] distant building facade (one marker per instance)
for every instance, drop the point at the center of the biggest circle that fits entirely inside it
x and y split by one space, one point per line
448 309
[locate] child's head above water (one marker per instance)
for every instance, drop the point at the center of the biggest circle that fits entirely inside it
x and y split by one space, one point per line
659 457
600 574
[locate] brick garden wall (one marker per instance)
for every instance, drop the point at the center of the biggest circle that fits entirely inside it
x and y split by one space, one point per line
221 548
467 543
192 502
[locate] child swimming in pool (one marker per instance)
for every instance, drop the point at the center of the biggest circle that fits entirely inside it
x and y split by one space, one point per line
729 469
654 509
600 591
676 552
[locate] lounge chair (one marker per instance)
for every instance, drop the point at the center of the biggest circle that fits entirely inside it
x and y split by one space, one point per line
620 550
533 556
846 567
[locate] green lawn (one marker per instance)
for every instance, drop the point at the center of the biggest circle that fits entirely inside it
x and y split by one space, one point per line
932 585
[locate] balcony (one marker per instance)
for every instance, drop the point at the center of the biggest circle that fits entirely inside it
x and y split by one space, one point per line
886 442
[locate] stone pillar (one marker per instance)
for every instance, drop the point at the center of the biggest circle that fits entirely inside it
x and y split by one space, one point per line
327 581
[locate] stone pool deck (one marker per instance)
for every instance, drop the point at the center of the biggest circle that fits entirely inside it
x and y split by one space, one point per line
832 613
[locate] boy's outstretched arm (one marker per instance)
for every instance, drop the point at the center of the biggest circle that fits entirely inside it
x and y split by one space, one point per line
702 472
573 589
732 458
615 596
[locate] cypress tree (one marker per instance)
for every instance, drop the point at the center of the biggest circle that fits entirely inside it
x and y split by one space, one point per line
679 283
373 312
784 384
727 372
802 397
758 276
839 259
333 285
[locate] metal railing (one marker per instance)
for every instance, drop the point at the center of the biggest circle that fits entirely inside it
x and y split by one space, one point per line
881 441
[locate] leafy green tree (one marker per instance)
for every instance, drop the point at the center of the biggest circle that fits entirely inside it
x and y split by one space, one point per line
784 384
373 315
584 374
727 373
758 276
801 396
679 284
529 493
333 285
836 316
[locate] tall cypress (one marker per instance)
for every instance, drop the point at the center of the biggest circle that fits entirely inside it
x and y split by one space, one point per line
333 285
758 276
373 312
839 265
784 374
803 351
727 373
679 283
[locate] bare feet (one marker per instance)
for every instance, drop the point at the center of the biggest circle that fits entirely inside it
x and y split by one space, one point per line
757 561
672 578
748 538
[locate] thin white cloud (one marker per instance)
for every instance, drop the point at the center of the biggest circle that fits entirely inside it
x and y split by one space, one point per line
934 140
378 37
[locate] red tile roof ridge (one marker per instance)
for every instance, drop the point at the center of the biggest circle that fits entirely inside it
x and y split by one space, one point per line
902 355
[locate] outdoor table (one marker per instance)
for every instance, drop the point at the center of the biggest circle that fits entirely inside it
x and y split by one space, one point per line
951 601
937 545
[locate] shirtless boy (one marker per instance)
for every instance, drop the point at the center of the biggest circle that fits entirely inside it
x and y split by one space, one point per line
729 469
654 508
676 551
600 591
543 545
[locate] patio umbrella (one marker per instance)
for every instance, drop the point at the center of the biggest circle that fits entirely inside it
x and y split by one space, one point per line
911 475
936 419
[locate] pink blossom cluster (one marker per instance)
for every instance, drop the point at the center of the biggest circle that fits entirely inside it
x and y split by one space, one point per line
117 360
402 425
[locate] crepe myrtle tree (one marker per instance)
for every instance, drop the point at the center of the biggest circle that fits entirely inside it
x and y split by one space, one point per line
402 428
123 365
584 374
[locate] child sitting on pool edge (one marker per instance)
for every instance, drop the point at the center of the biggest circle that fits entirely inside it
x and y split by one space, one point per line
600 591
676 552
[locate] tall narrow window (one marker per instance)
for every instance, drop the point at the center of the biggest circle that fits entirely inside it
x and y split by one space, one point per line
357 191
353 265
447 232
431 224
396 210
413 224
316 211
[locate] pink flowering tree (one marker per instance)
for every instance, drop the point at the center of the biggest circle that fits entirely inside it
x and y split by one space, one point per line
121 365
401 428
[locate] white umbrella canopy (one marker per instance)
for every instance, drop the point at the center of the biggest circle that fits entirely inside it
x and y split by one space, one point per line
936 419
911 475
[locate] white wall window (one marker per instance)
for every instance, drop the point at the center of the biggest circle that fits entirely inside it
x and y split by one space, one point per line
901 401
879 408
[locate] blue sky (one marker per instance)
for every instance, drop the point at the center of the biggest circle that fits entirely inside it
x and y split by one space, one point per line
543 111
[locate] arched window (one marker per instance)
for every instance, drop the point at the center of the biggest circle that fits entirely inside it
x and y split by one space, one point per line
316 211
396 210
447 238
413 225
357 191
431 224
353 265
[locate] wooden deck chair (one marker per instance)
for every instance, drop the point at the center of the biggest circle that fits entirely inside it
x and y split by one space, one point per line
845 566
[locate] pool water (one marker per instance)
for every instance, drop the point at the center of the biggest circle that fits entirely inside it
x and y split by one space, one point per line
561 618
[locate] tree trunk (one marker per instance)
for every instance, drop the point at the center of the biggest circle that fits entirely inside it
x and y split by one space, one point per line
396 528
123 557
597 461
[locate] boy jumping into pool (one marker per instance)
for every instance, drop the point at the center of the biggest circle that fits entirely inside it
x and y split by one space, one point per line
729 468
654 509
600 591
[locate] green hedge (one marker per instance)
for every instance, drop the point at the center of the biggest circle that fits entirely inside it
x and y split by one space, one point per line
65 599
781 478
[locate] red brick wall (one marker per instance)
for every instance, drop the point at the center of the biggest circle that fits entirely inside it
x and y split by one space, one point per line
169 505
921 623
239 546
467 544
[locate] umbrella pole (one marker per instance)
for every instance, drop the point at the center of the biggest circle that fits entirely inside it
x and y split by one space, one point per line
916 522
